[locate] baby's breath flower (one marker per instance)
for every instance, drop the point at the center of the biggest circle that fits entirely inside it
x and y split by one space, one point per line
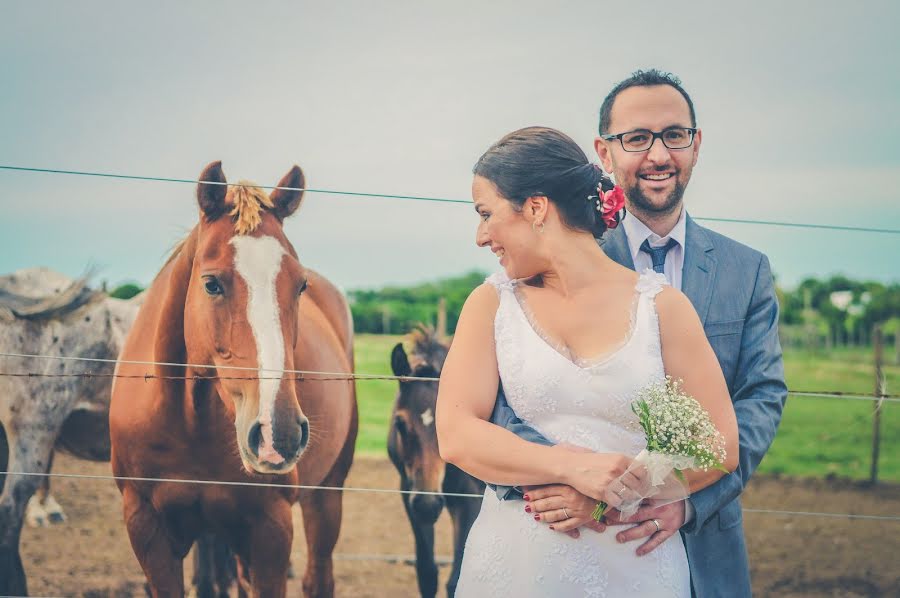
676 424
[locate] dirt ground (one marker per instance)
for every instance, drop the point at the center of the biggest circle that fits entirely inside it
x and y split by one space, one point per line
790 555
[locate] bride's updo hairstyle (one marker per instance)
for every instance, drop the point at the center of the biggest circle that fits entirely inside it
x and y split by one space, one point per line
539 161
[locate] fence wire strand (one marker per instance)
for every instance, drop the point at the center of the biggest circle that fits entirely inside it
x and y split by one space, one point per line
389 491
806 225
310 375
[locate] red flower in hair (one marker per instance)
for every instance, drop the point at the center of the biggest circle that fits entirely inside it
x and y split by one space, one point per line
612 203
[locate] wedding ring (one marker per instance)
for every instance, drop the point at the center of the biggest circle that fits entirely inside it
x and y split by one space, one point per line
656 523
566 513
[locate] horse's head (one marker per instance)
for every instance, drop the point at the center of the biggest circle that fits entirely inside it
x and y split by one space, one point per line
412 440
242 309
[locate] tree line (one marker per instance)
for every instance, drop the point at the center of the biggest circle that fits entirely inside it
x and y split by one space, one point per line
828 312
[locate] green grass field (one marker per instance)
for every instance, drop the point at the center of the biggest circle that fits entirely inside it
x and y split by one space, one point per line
817 437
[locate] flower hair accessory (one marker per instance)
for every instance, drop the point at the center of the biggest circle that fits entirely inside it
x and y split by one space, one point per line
609 204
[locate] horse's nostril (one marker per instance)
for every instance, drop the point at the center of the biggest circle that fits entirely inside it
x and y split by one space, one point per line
254 438
304 432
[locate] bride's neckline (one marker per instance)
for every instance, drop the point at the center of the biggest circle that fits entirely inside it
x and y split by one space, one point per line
561 348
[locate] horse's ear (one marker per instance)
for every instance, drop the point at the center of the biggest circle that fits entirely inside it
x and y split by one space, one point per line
399 361
212 197
287 201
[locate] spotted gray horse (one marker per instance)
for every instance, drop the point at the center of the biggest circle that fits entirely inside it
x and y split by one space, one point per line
45 313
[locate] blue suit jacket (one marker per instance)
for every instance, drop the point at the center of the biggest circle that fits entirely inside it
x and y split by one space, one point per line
742 327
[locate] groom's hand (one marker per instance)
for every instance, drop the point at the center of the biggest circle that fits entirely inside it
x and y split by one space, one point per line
670 518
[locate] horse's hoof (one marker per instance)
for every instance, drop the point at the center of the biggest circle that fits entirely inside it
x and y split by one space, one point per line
35 515
54 512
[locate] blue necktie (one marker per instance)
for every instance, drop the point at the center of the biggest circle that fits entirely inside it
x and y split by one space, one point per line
658 254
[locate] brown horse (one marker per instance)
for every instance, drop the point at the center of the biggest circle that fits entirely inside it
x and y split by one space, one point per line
235 295
413 448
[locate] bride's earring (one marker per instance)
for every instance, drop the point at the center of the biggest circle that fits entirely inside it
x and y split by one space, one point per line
535 229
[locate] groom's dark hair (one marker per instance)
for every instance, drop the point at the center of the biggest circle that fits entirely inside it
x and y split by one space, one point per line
647 78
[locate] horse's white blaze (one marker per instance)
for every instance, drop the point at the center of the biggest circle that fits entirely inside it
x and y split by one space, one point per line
258 261
427 417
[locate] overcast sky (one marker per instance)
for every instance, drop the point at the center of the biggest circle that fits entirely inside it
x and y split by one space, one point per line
799 103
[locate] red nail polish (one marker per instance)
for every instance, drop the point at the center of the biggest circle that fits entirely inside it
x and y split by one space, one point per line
537 516
551 527
526 497
528 508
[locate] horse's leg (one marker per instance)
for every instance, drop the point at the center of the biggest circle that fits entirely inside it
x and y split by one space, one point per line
4 456
269 542
202 579
150 542
426 568
322 513
243 577
463 512
28 450
12 575
51 507
214 567
37 512
225 567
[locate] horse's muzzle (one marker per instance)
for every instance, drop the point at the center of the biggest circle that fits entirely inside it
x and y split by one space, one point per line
426 507
278 449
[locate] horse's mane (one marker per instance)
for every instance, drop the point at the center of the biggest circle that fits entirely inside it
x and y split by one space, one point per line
49 306
248 200
427 347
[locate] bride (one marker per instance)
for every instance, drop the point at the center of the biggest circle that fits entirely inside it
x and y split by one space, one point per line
571 336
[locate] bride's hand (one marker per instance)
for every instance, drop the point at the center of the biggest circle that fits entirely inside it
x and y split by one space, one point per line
592 473
563 507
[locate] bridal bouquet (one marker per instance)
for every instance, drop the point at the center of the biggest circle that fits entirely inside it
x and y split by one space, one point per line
680 435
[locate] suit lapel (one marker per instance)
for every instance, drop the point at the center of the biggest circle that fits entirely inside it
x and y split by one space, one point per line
699 272
615 244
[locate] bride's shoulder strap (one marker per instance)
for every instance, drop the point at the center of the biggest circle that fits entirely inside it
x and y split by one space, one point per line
500 281
651 283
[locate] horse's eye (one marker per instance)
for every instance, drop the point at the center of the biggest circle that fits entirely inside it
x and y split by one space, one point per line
303 286
212 287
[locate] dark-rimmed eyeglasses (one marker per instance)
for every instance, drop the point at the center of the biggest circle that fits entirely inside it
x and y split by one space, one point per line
641 140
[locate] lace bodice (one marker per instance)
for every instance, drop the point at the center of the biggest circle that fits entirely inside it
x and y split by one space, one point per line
572 400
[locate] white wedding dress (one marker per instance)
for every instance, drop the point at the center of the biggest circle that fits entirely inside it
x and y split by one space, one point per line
586 403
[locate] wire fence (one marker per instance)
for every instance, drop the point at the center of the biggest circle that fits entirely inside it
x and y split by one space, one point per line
310 375
807 225
343 376
387 491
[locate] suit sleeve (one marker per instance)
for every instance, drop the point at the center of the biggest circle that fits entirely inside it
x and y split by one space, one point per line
758 394
504 416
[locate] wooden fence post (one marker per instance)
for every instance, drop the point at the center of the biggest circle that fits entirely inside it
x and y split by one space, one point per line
442 318
879 394
897 346
385 320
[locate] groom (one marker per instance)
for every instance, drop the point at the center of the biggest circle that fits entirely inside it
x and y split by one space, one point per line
730 286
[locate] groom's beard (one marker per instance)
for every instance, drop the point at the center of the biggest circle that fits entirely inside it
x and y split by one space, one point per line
642 203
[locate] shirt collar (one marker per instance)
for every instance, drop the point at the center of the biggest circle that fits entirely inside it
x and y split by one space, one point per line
637 232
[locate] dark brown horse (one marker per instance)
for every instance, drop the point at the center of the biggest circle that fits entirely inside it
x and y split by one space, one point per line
413 448
235 295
